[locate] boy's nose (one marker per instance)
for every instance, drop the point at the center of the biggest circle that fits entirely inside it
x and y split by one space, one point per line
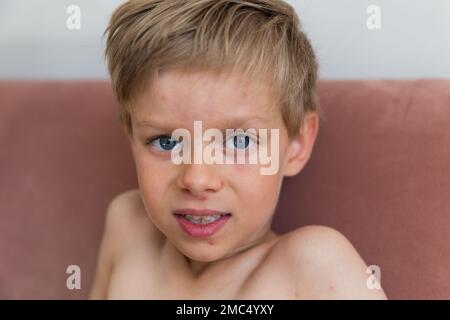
199 179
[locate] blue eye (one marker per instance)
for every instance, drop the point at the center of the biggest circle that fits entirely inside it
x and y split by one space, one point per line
241 141
163 143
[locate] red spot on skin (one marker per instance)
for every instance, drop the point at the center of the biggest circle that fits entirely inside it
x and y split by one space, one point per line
211 241
240 167
331 287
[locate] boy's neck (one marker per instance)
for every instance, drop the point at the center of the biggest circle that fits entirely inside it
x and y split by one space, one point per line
198 267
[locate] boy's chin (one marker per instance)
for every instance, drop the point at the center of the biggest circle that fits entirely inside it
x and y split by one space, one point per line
202 252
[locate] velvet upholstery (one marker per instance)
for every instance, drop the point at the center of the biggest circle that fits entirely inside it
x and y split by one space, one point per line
379 173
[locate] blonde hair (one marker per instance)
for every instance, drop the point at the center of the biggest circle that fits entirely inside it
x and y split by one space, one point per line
260 38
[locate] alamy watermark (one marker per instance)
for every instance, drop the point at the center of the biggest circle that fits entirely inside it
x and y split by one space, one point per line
374 280
248 147
74 280
73 22
373 21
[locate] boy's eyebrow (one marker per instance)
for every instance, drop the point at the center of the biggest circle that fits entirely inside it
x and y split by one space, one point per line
230 123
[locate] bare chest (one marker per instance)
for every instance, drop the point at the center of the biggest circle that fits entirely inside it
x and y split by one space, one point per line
141 275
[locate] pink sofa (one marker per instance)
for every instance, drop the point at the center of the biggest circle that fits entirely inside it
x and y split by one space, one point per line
380 173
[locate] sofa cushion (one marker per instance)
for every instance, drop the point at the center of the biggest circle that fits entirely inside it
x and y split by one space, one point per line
379 173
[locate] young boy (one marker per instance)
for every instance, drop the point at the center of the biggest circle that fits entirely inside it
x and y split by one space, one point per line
200 230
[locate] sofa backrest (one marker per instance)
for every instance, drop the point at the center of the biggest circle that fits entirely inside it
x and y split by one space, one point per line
379 173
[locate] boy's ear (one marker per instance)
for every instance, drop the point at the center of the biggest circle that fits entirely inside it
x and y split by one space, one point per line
300 147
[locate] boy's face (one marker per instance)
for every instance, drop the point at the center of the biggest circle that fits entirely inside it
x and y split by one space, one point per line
175 101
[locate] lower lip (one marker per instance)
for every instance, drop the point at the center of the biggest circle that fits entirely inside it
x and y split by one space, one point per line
202 230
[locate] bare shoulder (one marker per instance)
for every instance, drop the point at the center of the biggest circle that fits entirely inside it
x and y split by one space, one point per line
325 264
124 209
125 205
127 230
127 218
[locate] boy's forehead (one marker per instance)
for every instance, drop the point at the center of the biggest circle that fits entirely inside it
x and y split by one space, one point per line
207 86
188 96
160 123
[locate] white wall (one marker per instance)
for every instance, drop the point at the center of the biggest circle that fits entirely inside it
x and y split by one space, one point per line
413 42
414 39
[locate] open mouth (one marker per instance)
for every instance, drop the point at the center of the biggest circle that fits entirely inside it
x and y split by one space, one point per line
196 219
199 224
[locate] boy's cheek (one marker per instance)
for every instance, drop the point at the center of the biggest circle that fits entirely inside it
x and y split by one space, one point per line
245 177
240 168
250 183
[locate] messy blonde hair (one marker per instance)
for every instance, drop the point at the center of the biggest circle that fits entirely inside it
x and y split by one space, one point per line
260 38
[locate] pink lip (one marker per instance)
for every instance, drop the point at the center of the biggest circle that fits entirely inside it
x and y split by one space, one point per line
199 230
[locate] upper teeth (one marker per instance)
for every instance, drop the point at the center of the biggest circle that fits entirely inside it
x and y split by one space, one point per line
202 219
